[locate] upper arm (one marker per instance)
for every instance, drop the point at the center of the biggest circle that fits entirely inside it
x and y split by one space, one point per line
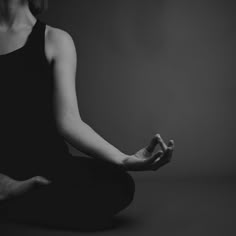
62 51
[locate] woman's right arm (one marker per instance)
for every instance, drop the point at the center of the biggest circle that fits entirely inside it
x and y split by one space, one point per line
10 187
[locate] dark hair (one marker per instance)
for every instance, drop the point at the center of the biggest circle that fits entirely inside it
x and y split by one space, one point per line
38 6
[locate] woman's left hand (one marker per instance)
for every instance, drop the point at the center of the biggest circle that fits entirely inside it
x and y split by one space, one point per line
145 159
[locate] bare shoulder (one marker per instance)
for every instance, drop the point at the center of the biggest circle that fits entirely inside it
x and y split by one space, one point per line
58 36
58 42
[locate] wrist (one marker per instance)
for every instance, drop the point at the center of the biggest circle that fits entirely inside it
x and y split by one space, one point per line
122 161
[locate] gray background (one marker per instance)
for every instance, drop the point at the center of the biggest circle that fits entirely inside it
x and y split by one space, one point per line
159 66
149 66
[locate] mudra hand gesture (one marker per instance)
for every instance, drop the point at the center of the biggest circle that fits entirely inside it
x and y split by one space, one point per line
146 159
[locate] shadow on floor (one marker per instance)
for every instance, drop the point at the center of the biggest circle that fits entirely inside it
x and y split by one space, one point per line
12 228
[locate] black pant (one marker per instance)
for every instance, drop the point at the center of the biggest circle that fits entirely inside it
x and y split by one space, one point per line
84 194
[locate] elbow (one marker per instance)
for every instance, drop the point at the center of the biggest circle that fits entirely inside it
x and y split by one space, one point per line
65 126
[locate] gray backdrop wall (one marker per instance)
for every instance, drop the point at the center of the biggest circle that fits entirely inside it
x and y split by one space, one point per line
149 66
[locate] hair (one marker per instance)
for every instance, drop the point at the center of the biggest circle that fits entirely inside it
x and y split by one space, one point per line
38 6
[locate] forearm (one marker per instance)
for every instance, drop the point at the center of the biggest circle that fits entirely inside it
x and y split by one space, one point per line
81 136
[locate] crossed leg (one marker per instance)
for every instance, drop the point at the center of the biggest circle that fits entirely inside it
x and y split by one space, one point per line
84 194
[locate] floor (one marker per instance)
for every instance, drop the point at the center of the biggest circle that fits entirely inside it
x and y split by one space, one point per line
165 207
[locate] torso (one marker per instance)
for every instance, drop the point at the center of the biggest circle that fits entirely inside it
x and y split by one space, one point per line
15 39
29 139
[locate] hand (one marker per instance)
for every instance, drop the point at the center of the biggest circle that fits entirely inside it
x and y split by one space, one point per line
11 188
145 159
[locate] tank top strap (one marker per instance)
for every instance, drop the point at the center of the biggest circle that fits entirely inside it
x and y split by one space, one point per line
36 40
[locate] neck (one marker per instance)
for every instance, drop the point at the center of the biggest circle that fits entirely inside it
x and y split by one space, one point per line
14 12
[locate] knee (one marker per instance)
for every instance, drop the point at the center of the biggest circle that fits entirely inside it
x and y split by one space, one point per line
124 183
129 188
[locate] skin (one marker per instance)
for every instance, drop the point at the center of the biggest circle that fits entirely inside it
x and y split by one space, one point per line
16 22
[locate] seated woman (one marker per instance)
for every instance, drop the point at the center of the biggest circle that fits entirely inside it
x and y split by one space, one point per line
40 181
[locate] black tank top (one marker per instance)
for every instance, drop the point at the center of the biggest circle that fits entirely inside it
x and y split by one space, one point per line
30 142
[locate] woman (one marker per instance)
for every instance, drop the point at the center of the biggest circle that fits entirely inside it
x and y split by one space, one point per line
40 181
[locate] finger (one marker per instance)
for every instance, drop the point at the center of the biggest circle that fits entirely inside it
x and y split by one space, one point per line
151 147
158 165
169 150
171 143
158 154
160 162
161 142
164 159
153 158
168 154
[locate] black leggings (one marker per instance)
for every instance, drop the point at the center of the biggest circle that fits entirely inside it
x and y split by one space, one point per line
84 195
